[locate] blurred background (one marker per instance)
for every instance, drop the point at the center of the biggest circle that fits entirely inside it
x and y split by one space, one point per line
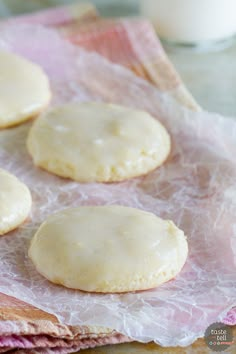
106 7
209 73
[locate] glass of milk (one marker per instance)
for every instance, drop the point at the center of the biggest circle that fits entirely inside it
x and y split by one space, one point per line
192 22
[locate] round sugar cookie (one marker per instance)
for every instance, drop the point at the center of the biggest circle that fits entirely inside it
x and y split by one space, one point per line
108 249
100 142
15 202
24 89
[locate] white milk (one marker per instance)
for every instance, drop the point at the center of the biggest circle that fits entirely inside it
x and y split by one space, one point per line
191 21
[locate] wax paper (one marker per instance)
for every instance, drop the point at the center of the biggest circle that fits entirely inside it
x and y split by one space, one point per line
195 188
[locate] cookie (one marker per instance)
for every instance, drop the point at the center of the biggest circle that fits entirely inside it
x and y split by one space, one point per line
98 142
24 89
108 249
15 202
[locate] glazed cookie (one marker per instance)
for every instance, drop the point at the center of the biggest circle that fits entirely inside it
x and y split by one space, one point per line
24 89
108 249
15 202
90 142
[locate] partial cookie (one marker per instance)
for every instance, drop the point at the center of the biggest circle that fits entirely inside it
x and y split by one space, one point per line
24 89
15 202
98 142
108 249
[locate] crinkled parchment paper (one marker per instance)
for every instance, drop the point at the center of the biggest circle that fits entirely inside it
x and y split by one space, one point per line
195 188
